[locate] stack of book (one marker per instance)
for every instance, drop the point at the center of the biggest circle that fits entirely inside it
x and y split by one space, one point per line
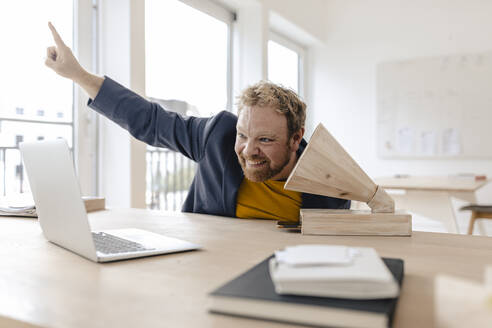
329 286
332 271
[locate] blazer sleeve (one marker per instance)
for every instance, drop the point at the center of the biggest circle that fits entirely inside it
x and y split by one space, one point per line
150 123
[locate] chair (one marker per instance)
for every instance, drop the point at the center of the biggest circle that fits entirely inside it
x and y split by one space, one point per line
477 212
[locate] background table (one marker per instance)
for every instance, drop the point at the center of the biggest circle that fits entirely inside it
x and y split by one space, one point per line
433 197
43 284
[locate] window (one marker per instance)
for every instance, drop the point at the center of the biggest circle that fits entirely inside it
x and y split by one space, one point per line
186 56
285 60
187 67
32 94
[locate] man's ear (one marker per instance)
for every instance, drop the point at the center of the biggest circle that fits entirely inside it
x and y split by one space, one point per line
296 138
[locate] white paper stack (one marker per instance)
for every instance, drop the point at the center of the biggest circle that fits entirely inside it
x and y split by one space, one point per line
17 205
23 205
332 271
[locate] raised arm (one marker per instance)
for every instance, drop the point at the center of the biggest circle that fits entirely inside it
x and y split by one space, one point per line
145 120
61 59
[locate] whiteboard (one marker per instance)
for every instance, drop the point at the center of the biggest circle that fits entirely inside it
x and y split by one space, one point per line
439 107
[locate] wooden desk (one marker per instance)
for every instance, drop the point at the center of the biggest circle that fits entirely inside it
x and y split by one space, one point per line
432 196
43 284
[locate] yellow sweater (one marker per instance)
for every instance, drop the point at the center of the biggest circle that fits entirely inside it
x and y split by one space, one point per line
267 200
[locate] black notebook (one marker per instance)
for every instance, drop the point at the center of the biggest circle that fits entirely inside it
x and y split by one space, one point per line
253 295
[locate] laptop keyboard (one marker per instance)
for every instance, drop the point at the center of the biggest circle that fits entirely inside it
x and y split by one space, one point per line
109 244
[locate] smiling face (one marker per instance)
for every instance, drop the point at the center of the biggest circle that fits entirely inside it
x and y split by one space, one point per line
263 146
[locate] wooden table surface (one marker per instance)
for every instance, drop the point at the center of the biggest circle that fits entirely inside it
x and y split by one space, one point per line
44 285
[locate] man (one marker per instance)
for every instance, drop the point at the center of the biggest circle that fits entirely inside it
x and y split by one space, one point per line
243 161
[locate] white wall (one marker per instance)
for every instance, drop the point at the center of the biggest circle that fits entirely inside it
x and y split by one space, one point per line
307 15
361 34
250 37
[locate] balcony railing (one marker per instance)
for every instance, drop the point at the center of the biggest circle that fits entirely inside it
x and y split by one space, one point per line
16 129
12 171
169 175
13 178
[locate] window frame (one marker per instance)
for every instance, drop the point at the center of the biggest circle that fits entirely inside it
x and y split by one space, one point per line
86 136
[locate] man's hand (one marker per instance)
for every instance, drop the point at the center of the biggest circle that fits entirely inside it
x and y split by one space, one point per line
61 59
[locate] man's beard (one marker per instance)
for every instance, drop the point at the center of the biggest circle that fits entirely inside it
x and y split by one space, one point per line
266 171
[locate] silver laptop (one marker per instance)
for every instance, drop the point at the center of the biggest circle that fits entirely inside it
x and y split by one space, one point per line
62 214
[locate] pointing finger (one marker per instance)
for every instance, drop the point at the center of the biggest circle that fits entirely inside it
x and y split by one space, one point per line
58 40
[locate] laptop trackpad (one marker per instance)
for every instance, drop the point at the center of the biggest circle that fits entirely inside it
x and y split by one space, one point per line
151 239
